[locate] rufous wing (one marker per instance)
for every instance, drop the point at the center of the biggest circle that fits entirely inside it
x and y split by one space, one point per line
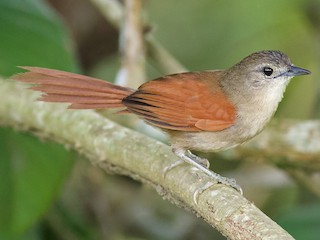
185 102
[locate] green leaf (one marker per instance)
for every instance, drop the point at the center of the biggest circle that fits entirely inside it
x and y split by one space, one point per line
31 34
31 172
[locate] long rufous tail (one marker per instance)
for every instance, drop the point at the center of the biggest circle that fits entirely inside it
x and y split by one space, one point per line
80 91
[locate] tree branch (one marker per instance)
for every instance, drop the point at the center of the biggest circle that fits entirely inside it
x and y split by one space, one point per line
123 151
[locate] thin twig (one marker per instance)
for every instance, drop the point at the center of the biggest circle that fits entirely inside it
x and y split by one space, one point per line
132 49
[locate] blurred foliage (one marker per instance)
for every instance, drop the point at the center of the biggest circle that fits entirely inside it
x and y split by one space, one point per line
303 222
202 34
31 34
31 173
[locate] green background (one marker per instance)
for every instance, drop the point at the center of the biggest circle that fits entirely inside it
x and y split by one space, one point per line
37 178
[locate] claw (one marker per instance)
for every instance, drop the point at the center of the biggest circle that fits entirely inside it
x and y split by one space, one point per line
172 166
202 161
199 191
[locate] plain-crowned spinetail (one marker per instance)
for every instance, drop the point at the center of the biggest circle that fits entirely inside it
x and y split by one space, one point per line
205 111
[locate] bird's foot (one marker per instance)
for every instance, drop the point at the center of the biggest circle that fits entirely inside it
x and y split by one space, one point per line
220 179
203 165
201 161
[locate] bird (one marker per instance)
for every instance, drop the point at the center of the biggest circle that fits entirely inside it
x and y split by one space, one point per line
207 111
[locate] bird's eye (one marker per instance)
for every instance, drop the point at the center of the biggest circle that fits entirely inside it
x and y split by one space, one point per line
267 71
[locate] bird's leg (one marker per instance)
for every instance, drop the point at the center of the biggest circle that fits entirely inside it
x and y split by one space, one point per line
202 161
183 154
201 164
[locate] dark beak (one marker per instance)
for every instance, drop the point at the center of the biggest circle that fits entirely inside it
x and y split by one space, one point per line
296 71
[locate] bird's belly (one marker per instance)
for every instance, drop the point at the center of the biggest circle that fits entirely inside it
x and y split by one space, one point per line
247 125
205 141
216 141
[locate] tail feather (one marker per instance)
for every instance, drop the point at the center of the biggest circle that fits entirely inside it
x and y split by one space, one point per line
51 89
94 106
80 91
76 99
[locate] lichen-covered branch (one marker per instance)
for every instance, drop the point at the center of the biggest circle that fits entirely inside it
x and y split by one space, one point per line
123 151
